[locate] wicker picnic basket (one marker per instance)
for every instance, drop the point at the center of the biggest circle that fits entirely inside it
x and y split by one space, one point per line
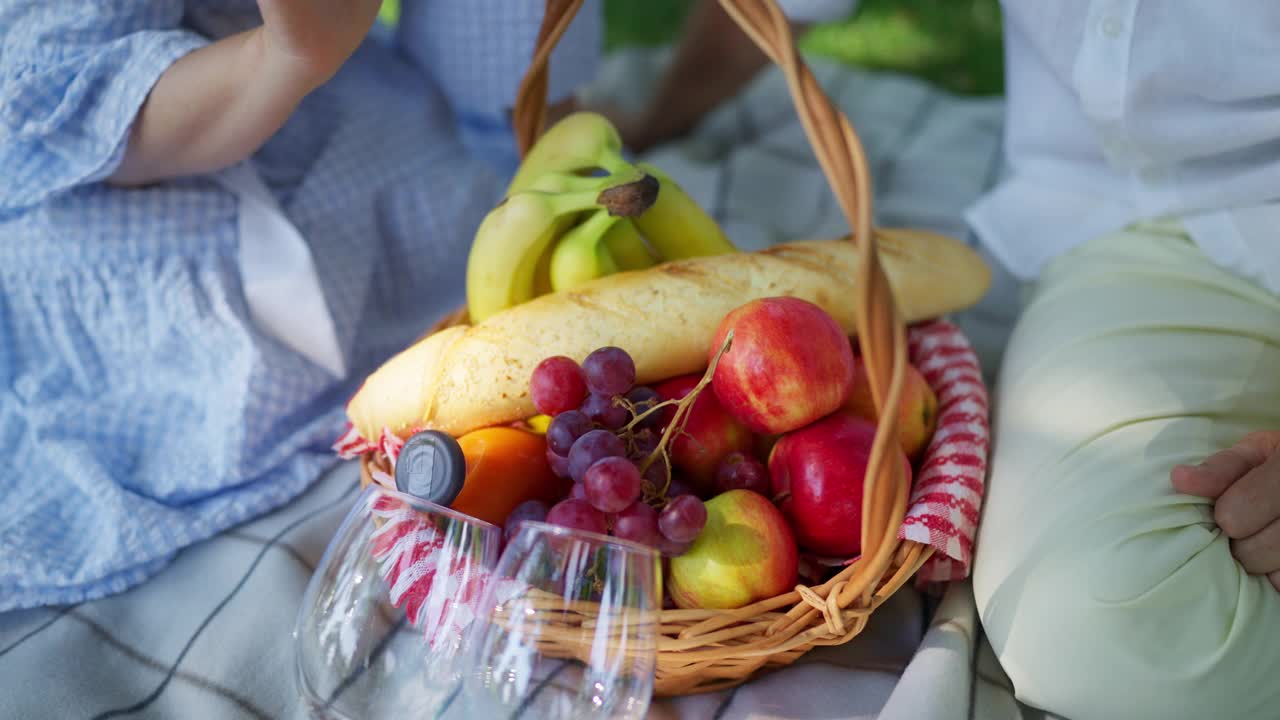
705 650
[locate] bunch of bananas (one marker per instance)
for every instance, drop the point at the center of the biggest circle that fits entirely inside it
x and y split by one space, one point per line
576 211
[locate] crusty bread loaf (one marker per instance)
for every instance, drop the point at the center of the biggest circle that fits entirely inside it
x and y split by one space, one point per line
467 377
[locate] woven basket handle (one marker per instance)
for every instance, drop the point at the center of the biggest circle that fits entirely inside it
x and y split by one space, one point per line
881 330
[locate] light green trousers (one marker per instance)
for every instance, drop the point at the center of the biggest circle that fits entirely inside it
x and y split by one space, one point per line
1103 592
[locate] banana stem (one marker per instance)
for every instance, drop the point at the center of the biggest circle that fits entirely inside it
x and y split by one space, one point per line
614 164
570 182
626 199
572 202
630 199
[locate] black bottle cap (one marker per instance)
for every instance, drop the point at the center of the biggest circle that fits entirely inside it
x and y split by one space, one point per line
431 466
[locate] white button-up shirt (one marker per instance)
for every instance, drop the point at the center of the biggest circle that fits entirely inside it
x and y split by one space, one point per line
1120 110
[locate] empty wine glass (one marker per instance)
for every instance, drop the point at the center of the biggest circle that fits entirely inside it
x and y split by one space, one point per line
569 630
381 627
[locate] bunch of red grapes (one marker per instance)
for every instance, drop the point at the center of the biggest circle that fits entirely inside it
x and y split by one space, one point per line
601 437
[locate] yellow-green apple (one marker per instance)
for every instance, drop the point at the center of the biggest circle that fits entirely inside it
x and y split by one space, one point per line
746 552
917 414
817 476
789 364
709 434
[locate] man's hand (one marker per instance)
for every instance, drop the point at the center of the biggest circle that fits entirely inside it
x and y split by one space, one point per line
713 61
318 35
636 132
1244 482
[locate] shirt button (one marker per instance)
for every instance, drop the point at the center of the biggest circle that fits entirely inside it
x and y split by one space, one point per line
1112 26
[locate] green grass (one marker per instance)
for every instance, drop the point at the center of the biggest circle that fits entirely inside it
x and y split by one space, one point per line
955 44
390 11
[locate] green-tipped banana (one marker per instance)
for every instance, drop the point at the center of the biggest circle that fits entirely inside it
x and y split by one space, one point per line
566 182
580 141
676 226
582 255
558 182
627 246
513 237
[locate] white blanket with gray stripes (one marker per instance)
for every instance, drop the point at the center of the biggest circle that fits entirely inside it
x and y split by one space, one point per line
210 637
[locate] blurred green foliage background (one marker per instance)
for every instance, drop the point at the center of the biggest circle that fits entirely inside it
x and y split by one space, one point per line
955 44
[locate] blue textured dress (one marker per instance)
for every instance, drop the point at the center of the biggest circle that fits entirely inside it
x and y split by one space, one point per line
141 409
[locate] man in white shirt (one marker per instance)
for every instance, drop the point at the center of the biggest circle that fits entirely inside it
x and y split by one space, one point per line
1142 197
1128 561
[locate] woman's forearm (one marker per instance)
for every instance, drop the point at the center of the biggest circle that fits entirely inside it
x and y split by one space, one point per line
212 109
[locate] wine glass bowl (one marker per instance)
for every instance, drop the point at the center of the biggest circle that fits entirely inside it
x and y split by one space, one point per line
569 630
382 628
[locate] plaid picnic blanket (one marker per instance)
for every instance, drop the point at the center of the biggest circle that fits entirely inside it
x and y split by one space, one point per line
210 636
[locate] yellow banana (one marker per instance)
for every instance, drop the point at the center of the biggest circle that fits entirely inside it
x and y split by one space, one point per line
533 263
560 182
627 246
601 245
542 272
511 240
581 255
676 226
507 245
580 141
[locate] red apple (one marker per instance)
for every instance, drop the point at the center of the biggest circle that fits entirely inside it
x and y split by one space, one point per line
745 553
917 415
789 365
710 433
817 475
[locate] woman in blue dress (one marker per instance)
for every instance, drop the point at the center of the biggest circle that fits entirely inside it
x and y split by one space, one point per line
215 215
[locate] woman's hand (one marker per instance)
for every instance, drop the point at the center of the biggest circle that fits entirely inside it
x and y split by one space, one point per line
1244 482
317 35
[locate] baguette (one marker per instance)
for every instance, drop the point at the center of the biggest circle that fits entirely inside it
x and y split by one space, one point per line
467 377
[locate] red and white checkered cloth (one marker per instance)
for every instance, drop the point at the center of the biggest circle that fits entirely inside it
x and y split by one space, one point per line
430 573
948 484
351 445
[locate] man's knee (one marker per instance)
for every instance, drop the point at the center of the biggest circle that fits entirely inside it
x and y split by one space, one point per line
1079 640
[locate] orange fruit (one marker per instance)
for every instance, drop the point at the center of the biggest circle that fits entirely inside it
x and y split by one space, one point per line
505 467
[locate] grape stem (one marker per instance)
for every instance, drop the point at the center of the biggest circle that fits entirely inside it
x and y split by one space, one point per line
683 406
637 419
